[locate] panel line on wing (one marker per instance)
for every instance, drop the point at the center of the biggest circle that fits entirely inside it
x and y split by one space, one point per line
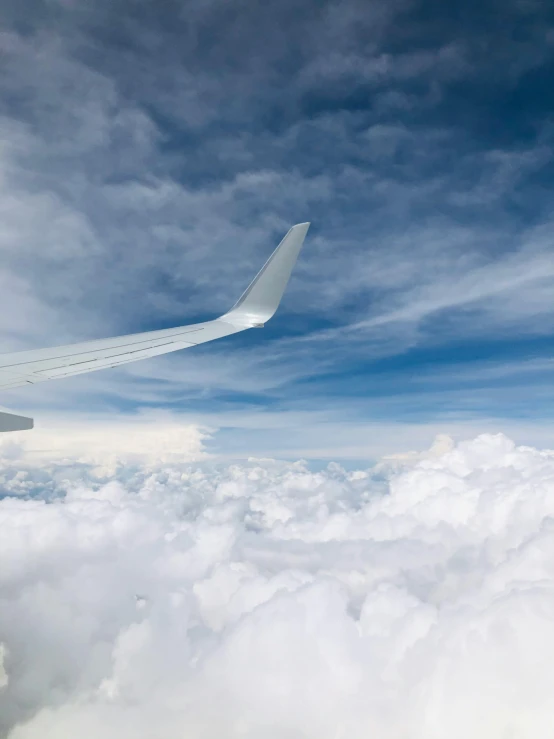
96 351
98 362
110 356
83 371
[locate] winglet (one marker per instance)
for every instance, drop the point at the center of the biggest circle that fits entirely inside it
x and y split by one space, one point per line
261 298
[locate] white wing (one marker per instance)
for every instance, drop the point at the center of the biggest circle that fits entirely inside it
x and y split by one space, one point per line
257 305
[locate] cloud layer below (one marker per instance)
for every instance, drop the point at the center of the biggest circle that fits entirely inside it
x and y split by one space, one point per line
174 598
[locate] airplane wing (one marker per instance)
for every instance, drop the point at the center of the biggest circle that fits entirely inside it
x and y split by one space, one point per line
256 306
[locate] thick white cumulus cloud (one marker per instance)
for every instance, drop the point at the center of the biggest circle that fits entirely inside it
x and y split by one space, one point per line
414 600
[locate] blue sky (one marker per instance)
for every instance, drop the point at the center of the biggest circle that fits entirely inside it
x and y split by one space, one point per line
153 155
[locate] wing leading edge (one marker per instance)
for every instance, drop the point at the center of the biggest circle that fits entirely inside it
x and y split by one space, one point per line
257 305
